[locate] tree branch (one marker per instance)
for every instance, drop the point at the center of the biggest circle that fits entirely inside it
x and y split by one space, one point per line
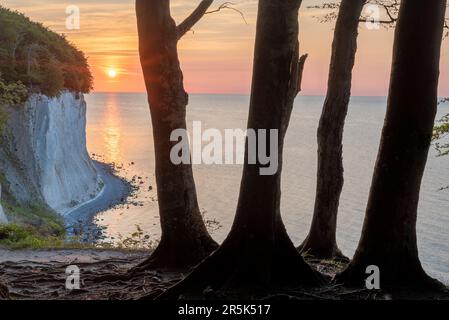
446 26
194 17
228 5
390 8
200 11
302 62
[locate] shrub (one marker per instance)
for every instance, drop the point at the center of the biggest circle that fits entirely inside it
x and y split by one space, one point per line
12 93
441 134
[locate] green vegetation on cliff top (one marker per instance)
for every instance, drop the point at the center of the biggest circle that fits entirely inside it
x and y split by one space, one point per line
40 59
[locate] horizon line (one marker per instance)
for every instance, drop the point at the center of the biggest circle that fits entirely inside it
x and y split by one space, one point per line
228 94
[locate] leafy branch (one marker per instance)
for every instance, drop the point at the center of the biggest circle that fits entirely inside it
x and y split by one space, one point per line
441 133
390 9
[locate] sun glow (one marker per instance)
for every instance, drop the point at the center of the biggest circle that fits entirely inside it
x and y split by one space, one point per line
112 73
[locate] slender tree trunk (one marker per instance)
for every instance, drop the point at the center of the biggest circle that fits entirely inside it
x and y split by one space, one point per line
389 232
321 241
185 240
258 254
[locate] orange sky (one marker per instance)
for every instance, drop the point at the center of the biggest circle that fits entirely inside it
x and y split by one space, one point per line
217 57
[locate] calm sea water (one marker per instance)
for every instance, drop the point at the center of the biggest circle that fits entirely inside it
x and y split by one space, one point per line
119 129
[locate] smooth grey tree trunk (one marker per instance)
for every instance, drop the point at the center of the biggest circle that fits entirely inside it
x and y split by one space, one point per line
321 240
185 240
258 255
389 232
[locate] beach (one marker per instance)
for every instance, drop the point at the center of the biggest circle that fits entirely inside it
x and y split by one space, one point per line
79 221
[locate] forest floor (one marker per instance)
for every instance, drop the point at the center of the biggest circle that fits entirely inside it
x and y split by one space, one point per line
41 274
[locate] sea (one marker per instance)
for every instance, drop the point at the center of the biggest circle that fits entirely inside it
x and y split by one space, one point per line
119 132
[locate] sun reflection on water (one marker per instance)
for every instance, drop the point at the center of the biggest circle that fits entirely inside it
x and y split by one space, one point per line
112 129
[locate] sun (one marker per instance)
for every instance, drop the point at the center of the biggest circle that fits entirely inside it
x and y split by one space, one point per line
112 73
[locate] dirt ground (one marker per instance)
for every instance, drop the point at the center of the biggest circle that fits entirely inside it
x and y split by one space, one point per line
41 275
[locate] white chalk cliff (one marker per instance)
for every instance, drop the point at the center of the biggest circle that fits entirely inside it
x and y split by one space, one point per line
43 155
3 218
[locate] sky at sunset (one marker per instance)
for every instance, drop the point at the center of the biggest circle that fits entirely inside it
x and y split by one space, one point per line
217 56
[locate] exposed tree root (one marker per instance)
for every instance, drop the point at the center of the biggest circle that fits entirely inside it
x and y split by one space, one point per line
334 253
177 256
46 280
99 280
4 293
233 272
397 273
164 259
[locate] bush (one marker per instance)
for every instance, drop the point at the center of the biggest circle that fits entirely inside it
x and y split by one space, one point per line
13 93
15 236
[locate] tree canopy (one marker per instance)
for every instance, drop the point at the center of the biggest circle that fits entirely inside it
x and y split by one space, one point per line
39 58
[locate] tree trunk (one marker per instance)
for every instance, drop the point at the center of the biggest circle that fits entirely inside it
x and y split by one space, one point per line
185 240
258 255
321 241
389 232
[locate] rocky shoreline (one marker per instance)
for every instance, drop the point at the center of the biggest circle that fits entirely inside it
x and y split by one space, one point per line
79 221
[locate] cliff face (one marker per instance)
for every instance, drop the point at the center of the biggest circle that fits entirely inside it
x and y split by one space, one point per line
3 218
43 155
